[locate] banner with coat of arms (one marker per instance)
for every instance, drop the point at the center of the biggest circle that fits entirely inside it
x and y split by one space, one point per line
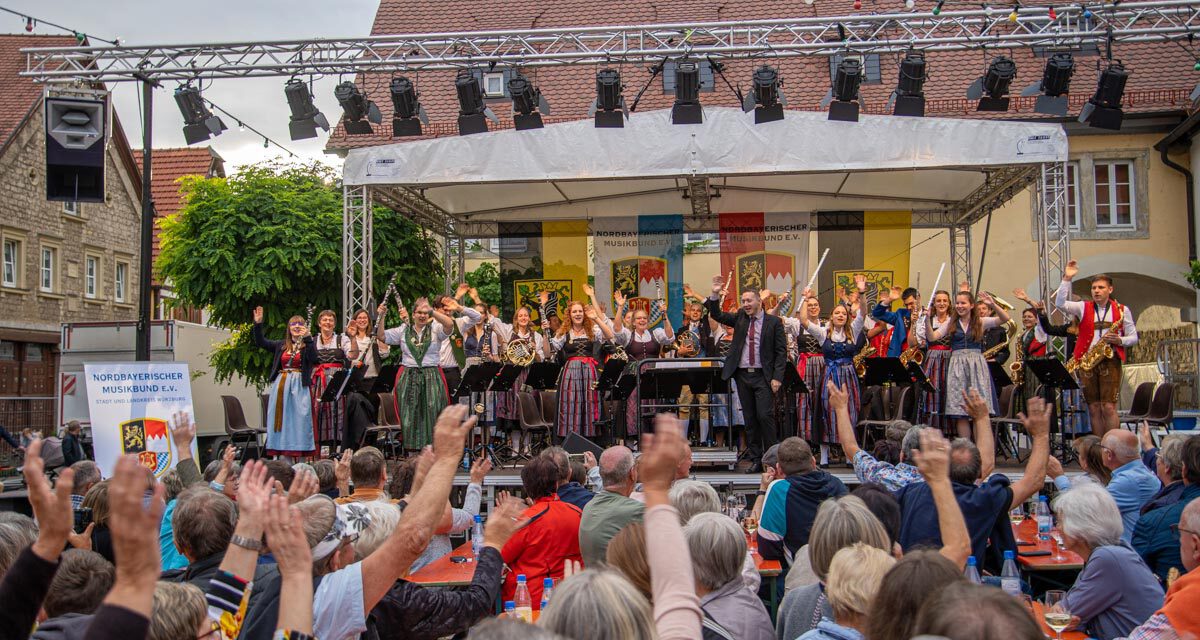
764 251
130 406
642 257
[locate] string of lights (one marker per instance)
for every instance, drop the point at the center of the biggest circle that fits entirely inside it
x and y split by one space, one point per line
80 36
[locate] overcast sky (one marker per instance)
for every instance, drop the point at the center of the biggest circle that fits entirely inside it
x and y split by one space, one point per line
258 101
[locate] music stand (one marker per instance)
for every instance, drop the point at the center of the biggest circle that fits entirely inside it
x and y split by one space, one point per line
609 375
881 370
1000 377
1054 378
345 379
385 380
792 382
506 378
543 375
477 379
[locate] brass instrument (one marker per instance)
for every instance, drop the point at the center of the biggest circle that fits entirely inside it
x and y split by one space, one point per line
912 354
519 351
1000 302
860 365
1016 368
685 340
619 354
996 349
1095 354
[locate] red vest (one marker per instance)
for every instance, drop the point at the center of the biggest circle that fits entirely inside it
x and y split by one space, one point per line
1037 349
1087 328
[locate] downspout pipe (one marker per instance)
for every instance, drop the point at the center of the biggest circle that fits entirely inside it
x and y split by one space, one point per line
1182 134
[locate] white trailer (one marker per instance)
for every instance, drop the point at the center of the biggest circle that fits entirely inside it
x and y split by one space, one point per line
170 341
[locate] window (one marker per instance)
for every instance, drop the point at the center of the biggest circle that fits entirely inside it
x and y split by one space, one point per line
72 208
1072 179
493 85
120 281
1114 193
91 268
12 263
49 265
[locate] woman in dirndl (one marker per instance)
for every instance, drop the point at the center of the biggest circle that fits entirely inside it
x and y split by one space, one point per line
507 402
289 405
968 370
1072 410
421 389
810 365
727 417
839 340
578 343
931 410
642 342
328 417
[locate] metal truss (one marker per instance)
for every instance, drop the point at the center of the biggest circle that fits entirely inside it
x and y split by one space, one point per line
411 202
1073 26
1053 236
358 222
960 255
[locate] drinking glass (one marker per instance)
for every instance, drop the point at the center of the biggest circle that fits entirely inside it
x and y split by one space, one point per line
1055 612
1056 533
1017 515
750 524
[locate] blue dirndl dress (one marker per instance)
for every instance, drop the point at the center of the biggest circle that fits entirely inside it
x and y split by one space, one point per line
839 368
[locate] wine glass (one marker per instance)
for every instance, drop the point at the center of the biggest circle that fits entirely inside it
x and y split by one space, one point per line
1017 515
741 503
1056 533
731 508
750 524
1055 612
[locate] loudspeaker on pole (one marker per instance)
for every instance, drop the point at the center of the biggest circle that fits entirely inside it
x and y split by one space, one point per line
76 138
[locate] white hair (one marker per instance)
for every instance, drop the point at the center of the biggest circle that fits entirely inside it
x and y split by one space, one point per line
384 518
691 497
718 549
1087 512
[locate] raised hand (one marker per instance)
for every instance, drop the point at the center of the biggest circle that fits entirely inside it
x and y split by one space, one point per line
258 315
403 314
809 293
82 540
543 297
479 470
254 493
838 398
689 292
986 298
571 567
453 305
462 289
1053 467
341 468
1037 423
1019 294
933 459
587 289
977 407
591 313
451 431
381 310
589 460
718 284
964 286
503 522
661 453
51 507
285 536
304 485
1071 270
183 431
619 297
135 527
860 282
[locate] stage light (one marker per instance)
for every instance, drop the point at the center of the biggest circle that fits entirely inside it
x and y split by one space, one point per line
842 98
995 84
408 114
609 108
199 124
1103 109
358 112
473 114
528 103
687 109
305 115
909 96
1056 81
766 97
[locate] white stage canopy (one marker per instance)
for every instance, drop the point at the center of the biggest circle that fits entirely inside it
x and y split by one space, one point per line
802 163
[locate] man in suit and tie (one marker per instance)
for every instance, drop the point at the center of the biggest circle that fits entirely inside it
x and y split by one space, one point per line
756 360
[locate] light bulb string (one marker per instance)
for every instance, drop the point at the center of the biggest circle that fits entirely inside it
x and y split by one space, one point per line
267 140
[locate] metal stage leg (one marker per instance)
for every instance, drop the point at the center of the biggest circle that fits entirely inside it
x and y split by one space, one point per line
357 229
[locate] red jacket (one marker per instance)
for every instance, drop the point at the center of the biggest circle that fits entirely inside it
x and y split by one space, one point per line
539 548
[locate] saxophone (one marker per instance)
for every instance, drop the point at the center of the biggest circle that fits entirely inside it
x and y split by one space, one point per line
912 354
1016 368
860 365
1095 354
996 349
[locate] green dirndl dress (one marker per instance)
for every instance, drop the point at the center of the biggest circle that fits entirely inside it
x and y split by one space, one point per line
420 392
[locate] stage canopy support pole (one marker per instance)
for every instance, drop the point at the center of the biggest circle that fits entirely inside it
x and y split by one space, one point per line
960 255
358 222
1053 233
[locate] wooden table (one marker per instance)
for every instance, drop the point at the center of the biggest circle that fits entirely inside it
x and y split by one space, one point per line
1027 532
769 570
1067 635
444 572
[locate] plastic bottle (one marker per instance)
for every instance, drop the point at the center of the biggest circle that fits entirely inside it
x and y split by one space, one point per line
1045 521
1010 577
547 589
523 602
972 572
477 536
510 609
466 463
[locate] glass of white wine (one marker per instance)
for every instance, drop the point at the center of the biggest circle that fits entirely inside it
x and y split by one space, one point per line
1056 534
1055 611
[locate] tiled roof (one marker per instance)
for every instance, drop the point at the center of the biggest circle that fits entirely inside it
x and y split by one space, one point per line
18 95
1160 81
169 165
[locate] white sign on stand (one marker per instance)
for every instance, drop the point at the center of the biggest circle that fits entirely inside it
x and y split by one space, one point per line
131 407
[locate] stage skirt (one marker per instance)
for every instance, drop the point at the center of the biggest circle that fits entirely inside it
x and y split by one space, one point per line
967 370
841 373
421 396
809 414
932 408
578 402
289 416
1074 412
328 417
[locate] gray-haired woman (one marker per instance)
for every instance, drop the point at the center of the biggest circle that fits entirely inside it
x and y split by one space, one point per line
717 547
692 497
1116 591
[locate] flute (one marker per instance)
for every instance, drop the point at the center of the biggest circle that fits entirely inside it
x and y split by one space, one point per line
813 278
935 289
725 291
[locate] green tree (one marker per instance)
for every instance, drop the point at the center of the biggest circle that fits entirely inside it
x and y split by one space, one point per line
486 279
271 235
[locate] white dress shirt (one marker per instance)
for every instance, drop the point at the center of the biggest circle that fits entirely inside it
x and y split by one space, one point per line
753 340
1128 335
470 318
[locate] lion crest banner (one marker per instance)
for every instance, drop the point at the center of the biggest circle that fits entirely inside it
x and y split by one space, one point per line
641 257
764 251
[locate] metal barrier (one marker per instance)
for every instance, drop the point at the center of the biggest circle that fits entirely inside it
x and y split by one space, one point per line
1179 363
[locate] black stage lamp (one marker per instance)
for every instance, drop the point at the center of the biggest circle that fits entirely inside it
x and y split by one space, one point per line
842 98
528 103
766 96
358 112
994 83
1053 88
1103 110
687 109
910 88
473 114
305 115
408 114
199 124
609 108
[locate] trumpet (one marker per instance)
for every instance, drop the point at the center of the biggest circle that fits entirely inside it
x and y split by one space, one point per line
860 365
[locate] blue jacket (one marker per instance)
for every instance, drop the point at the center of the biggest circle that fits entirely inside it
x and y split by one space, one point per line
1152 537
576 494
899 321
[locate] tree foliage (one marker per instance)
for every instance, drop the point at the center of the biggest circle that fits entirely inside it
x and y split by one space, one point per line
486 279
271 235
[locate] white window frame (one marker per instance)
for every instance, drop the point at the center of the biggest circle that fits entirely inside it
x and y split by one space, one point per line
14 264
72 208
1107 221
120 281
48 269
1072 217
497 76
91 276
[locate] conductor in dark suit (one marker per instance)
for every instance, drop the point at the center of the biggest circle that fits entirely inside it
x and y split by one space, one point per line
756 360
